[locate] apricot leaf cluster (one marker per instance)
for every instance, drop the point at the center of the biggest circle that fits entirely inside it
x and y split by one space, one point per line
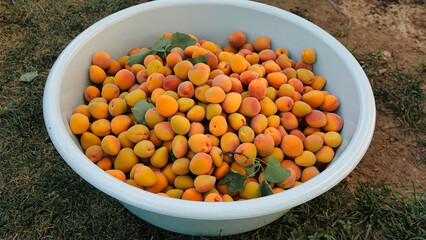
140 109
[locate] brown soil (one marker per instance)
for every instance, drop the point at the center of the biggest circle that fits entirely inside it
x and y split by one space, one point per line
396 27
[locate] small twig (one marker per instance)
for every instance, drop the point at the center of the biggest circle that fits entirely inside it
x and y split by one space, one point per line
340 11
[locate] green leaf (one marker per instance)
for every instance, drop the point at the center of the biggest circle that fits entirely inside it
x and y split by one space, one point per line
265 189
139 57
28 77
198 59
140 109
253 169
181 40
274 172
161 44
235 181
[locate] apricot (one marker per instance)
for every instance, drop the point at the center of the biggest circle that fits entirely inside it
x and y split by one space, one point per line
306 159
215 95
316 119
133 97
152 117
196 114
325 154
251 190
318 83
332 139
117 174
267 54
236 121
104 164
289 181
117 106
192 195
246 134
218 125
261 43
166 105
200 164
145 176
79 123
229 142
288 120
213 109
196 128
267 106
125 160
120 124
275 134
308 173
183 182
175 193
259 123
238 64
101 127
237 39
184 104
97 74
257 89
264 144
313 143
250 107
330 103
301 109
314 98
144 149
181 69
284 104
124 79
114 67
160 157
98 110
297 84
198 74
94 153
216 155
164 131
204 183
292 146
334 122
249 152
181 166
308 56
199 143
291 164
137 133
305 76
179 146
91 92
247 76
274 121
88 139
213 197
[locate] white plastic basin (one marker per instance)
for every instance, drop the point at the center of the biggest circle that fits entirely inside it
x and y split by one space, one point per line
140 26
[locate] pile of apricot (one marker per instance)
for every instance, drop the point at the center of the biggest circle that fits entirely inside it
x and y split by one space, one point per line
247 98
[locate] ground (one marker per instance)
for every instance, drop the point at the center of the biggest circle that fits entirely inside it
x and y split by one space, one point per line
41 197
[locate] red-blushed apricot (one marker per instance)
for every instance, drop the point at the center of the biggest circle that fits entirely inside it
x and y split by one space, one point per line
246 134
307 89
173 58
248 153
267 54
237 39
261 43
101 127
257 89
179 146
218 125
164 131
264 144
144 149
171 82
334 122
192 195
215 95
136 68
308 173
94 153
159 185
166 105
199 143
330 103
97 74
117 174
298 133
124 79
110 145
247 77
251 190
316 119
137 133
181 69
186 89
203 183
314 98
332 139
289 181
196 128
250 107
297 97
200 164
313 143
288 120
318 83
259 123
98 110
223 82
79 123
297 84
292 146
306 159
120 124
104 164
284 62
308 56
178 50
125 160
183 182
142 77
325 154
198 74
270 67
114 67
284 104
302 65
213 197
212 60
196 114
291 164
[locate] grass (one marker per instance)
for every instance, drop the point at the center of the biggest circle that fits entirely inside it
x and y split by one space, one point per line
42 198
